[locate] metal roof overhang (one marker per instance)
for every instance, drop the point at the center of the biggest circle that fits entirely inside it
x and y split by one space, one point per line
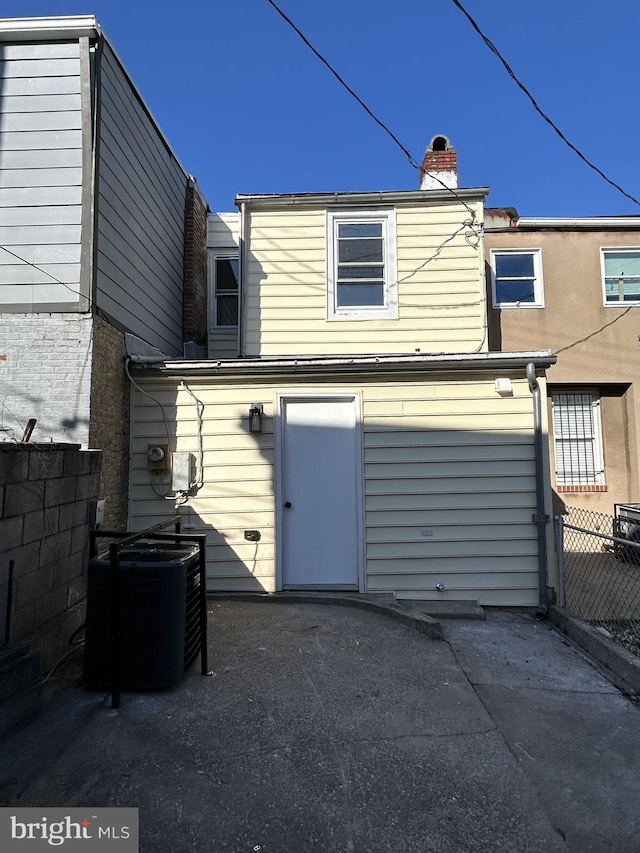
347 365
362 199
58 27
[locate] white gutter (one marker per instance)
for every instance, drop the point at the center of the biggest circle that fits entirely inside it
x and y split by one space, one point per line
38 29
351 364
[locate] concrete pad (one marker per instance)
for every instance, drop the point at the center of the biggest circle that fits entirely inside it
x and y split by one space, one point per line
516 650
323 729
572 733
581 752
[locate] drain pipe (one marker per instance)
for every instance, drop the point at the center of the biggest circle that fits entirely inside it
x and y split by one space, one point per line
540 518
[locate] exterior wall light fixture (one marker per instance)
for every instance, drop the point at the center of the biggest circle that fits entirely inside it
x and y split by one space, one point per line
255 417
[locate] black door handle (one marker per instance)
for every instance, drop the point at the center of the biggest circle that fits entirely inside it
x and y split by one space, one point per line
287 504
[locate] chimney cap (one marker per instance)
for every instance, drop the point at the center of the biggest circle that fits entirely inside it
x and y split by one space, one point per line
440 142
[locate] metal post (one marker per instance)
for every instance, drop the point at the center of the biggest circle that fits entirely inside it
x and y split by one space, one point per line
204 664
7 624
559 527
115 626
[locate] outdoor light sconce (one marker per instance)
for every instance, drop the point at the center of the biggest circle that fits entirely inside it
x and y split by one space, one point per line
255 417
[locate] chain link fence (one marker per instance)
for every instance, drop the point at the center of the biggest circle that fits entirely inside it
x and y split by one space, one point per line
599 557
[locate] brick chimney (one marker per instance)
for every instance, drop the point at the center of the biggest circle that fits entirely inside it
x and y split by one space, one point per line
440 161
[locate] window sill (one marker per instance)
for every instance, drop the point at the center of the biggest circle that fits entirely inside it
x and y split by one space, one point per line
565 489
527 305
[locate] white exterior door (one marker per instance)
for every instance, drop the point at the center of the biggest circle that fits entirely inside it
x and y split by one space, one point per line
319 493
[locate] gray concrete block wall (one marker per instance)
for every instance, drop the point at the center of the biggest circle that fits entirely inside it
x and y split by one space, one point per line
45 492
45 371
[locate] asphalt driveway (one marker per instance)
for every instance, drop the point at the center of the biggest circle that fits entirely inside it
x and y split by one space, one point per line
328 728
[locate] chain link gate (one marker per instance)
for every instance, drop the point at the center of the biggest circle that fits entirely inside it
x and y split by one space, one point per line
600 574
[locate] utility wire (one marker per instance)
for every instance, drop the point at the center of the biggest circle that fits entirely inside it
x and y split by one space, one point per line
44 272
536 107
369 112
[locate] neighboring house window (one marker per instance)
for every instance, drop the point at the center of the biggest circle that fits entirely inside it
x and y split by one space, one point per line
517 278
223 270
577 438
621 275
361 265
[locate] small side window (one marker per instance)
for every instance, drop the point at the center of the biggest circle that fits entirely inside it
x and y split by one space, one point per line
223 271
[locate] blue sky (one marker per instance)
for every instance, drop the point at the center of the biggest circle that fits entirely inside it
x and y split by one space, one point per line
248 109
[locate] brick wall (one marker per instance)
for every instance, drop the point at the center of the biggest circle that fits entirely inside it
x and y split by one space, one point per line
110 421
45 491
45 373
194 300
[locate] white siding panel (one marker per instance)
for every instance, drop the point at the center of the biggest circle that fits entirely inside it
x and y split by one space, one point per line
40 235
40 104
40 196
41 176
36 216
42 159
60 50
40 86
41 139
41 67
28 121
58 254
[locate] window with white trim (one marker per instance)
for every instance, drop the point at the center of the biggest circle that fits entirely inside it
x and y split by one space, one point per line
517 278
621 275
223 275
361 265
577 439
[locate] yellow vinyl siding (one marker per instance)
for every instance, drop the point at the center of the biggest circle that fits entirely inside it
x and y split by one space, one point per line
448 468
441 301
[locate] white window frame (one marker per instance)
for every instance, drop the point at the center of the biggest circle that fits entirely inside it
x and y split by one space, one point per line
215 255
620 249
538 292
389 310
580 478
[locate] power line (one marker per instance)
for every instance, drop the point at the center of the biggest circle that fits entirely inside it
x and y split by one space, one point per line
44 272
369 112
536 107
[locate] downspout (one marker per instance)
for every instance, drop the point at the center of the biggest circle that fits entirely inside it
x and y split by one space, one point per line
241 276
540 518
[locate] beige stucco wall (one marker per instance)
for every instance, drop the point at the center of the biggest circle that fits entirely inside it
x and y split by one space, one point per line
597 346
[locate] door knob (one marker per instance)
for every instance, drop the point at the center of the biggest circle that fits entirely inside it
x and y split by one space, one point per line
287 504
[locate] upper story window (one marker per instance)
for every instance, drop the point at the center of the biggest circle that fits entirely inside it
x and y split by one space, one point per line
517 278
361 265
223 272
621 275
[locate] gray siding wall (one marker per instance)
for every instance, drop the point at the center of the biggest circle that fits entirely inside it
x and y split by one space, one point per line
141 208
40 175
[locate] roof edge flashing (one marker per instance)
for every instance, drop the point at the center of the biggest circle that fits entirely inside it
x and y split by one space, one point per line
362 198
39 29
